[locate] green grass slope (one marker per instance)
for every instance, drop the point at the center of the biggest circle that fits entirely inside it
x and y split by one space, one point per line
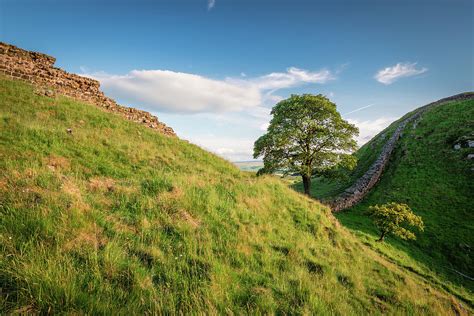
436 181
114 218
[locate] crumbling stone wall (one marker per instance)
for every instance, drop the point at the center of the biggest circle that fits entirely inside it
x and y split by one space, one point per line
38 69
364 184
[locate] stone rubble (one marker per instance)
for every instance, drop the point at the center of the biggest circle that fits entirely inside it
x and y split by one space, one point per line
38 69
464 142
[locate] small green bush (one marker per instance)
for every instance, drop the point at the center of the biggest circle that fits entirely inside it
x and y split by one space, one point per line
391 217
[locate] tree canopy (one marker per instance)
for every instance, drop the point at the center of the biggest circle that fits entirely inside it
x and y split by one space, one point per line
391 217
308 136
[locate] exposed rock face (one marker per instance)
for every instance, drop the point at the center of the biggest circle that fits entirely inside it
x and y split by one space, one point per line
362 186
39 70
465 142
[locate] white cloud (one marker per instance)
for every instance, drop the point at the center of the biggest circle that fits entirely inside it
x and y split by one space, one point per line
293 77
211 4
179 92
235 149
264 126
391 74
169 91
370 128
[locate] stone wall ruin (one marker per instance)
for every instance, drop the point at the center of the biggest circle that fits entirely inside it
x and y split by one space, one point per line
38 69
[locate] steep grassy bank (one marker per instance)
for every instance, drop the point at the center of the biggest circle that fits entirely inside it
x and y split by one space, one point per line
436 181
116 218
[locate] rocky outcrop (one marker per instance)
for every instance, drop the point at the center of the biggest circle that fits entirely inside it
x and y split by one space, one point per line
364 184
38 69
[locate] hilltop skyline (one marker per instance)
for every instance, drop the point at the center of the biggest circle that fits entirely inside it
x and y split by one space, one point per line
213 70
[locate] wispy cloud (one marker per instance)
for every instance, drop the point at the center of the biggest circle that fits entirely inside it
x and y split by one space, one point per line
370 128
264 126
211 4
391 74
179 92
342 67
359 109
235 149
292 77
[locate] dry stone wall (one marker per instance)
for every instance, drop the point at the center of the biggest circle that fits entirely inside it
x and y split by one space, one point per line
364 184
38 69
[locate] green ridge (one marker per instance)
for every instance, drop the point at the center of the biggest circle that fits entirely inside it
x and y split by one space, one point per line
436 181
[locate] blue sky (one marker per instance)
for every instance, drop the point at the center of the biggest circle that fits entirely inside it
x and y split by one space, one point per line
212 70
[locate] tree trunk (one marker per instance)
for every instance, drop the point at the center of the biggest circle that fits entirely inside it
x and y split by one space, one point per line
307 184
381 237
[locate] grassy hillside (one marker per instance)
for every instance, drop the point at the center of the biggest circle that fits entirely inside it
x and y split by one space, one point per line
436 181
115 218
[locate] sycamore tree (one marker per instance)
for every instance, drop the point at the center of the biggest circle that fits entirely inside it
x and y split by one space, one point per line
308 136
396 219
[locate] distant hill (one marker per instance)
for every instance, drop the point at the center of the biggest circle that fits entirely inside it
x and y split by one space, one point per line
431 169
253 166
101 215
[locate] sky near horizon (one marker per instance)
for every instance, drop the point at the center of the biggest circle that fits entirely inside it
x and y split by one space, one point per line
213 69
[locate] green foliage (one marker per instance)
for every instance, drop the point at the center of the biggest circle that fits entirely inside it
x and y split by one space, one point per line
308 136
391 218
118 219
327 186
